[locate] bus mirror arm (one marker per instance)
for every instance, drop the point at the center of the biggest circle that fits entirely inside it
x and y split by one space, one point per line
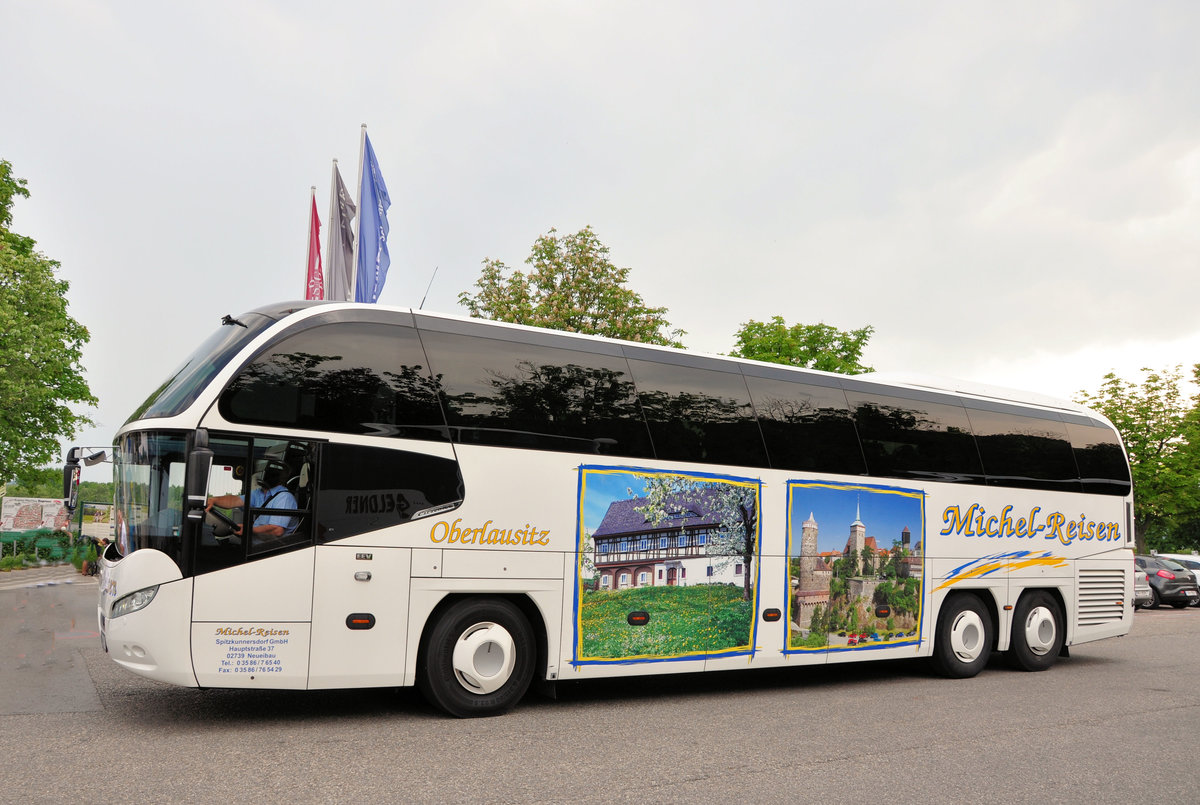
199 465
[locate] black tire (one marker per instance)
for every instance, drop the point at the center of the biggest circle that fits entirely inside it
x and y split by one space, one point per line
963 640
1037 632
495 664
1154 599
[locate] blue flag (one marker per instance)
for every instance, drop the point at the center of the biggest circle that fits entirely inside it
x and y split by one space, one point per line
373 203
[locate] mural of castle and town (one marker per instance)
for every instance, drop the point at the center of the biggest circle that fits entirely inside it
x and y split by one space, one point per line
854 570
667 565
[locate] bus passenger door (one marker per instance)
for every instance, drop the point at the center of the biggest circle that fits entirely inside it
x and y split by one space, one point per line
250 623
252 595
360 614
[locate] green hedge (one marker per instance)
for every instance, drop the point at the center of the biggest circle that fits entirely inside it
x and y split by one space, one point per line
20 548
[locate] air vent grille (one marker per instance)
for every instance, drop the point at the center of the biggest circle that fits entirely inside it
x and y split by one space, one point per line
1102 597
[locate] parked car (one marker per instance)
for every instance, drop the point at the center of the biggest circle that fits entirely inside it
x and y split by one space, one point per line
1191 562
1143 595
1170 582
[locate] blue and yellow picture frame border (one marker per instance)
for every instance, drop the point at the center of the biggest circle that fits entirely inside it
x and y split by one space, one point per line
795 516
597 487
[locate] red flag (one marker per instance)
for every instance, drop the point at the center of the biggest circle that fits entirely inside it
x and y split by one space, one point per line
314 286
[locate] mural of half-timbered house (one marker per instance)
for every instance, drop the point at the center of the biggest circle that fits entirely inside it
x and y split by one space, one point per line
629 550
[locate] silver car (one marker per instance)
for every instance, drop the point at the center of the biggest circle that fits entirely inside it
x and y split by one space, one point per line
1142 594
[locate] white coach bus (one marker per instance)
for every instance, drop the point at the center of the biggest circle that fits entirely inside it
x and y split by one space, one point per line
472 507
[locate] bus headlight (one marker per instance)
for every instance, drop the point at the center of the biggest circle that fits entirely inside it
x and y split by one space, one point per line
136 600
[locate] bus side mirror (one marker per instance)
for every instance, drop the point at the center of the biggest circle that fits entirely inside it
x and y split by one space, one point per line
71 474
95 458
199 465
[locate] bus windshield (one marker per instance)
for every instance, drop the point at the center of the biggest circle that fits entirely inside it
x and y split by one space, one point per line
149 472
194 374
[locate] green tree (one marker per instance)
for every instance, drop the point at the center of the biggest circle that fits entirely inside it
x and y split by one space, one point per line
845 567
811 346
817 623
907 597
852 624
571 285
47 482
41 376
93 491
833 621
1160 426
36 483
867 561
837 583
587 565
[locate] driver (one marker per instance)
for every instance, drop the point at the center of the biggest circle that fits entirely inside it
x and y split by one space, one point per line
270 494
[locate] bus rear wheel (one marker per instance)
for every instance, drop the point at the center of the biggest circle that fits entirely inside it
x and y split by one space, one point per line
963 639
478 659
1037 632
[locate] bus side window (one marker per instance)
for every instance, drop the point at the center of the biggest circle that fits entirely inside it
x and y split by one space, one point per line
1023 449
273 480
697 413
806 427
347 377
368 488
915 437
279 511
536 396
1098 454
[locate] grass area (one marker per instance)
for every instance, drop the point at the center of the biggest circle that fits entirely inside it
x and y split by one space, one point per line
683 620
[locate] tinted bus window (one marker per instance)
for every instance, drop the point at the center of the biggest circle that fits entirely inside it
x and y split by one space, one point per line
806 427
1101 461
349 377
535 396
272 481
915 438
362 489
1024 451
698 414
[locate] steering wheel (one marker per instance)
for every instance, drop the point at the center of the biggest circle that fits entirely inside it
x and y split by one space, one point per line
222 524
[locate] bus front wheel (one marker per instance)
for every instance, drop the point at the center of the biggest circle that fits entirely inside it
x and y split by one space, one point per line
1037 632
963 639
478 659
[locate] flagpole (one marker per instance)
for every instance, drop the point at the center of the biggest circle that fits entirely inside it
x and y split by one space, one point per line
329 235
312 203
362 146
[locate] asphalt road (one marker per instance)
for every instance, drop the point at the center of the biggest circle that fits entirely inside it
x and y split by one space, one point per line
1115 722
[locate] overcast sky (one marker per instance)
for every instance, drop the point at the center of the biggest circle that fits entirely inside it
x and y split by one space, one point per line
1007 192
